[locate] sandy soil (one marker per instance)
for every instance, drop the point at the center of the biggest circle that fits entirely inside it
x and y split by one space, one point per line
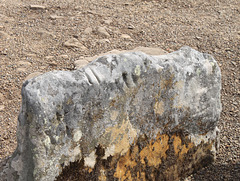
32 39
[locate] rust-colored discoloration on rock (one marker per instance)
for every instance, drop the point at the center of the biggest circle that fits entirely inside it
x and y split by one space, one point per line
88 169
155 151
121 136
180 148
124 165
167 83
169 156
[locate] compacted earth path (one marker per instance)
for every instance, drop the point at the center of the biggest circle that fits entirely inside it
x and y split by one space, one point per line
41 36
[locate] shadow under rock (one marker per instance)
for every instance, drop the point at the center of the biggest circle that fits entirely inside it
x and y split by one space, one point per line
214 172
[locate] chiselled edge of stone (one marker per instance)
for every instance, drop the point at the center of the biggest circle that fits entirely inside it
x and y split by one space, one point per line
93 75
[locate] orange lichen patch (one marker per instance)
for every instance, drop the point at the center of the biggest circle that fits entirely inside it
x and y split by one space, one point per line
124 164
179 148
185 150
159 108
135 151
177 144
121 136
155 151
141 176
128 176
88 169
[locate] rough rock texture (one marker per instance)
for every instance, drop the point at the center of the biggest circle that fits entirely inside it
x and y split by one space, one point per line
150 51
122 116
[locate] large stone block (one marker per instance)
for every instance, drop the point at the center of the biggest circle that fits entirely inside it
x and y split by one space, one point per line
122 117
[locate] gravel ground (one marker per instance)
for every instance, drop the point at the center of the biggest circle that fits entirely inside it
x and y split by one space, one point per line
33 39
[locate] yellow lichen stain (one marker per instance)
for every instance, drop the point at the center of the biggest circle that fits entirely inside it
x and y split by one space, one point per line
124 164
155 151
143 176
69 101
138 70
121 136
159 108
179 148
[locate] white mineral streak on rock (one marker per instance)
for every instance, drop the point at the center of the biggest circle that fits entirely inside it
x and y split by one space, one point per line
75 154
47 142
194 92
77 136
76 151
90 161
110 151
209 67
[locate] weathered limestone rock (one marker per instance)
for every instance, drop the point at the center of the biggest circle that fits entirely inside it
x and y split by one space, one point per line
148 50
128 116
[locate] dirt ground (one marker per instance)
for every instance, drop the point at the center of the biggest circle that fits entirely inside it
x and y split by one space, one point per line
33 39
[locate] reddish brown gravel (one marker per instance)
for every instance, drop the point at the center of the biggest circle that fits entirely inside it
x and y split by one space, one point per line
33 36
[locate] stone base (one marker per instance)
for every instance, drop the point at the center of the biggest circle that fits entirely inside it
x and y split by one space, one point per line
167 157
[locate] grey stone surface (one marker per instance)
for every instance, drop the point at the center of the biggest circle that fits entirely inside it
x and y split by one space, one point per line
66 115
148 50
